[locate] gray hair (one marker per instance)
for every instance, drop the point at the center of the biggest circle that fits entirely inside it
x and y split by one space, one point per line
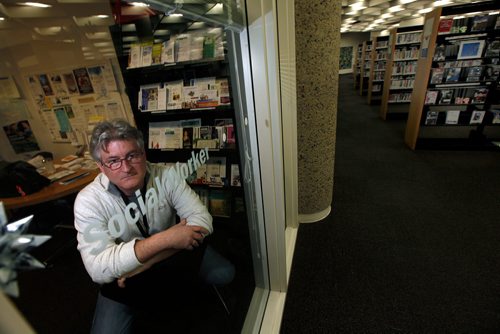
108 131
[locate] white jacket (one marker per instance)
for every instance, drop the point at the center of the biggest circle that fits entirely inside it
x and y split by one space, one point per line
109 254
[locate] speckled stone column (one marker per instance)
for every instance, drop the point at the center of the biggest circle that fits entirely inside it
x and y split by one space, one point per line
317 28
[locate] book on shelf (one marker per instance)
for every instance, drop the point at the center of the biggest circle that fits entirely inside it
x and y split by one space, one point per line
474 73
191 96
152 97
493 49
452 116
168 51
453 74
173 138
183 47
135 56
445 25
460 25
492 72
431 117
479 95
156 137
222 85
187 137
479 23
156 54
431 96
216 171
440 53
437 75
220 203
477 117
174 94
496 116
209 46
445 96
235 176
147 54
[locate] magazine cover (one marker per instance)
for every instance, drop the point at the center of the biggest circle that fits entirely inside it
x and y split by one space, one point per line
83 81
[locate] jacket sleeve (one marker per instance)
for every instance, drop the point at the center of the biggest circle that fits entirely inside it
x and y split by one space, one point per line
104 258
185 201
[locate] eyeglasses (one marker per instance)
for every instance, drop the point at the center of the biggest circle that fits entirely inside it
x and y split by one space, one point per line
131 158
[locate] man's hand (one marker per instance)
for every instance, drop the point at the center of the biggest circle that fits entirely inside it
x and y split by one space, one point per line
183 236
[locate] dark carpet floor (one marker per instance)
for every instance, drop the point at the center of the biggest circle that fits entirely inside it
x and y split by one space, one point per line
412 244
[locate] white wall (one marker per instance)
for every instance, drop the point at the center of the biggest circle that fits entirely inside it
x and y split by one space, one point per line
352 39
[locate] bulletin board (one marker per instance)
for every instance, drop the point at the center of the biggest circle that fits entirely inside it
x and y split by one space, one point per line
67 99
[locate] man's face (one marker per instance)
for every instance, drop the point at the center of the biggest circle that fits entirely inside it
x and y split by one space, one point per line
130 176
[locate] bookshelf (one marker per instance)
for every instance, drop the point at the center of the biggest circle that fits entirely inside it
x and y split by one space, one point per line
357 65
456 101
378 67
181 101
400 71
365 67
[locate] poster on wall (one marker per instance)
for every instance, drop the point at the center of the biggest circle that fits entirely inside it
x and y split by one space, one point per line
345 57
68 98
21 137
83 81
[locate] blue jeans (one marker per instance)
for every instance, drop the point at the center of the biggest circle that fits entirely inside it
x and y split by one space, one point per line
113 317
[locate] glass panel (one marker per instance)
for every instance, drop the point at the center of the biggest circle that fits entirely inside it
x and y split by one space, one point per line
192 44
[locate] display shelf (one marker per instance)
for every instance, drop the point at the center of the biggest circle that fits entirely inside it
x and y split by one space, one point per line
456 99
377 70
365 67
401 68
177 128
357 65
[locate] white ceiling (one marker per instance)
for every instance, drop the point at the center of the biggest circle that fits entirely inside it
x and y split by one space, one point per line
378 15
66 20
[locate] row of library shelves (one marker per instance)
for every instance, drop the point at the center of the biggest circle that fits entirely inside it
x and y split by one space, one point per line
444 73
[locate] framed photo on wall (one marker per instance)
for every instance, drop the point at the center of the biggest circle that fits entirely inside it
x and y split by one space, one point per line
470 49
346 57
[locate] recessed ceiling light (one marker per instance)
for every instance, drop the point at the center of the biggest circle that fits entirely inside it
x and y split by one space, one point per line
358 5
425 10
440 3
102 44
139 4
102 16
176 14
2 18
37 4
394 9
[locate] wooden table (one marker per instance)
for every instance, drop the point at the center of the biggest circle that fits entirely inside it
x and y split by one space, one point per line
53 191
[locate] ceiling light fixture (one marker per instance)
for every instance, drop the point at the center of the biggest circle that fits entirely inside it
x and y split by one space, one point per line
358 5
440 3
139 4
37 4
425 10
102 16
2 18
394 9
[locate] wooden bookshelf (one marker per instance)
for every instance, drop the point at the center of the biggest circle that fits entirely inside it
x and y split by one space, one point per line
404 44
365 67
377 69
357 65
456 99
